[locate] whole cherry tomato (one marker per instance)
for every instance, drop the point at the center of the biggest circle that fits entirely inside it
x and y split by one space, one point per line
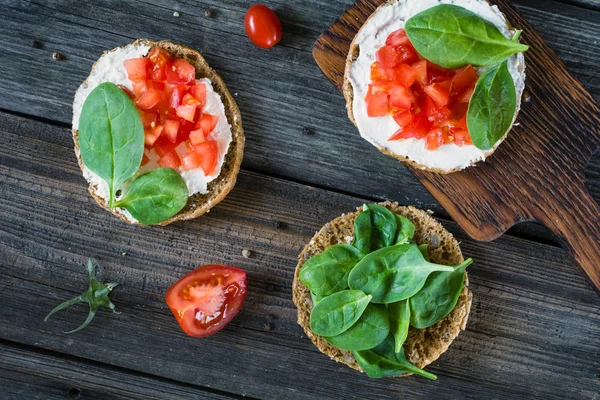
262 26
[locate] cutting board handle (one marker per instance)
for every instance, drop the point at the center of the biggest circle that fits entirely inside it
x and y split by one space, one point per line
576 223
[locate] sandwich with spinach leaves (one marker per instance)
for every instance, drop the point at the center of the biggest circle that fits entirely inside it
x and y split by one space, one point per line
436 84
383 290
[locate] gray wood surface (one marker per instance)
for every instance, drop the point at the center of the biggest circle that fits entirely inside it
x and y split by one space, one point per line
534 330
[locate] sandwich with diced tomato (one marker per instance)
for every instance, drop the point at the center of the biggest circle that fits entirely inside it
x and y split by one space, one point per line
158 136
436 84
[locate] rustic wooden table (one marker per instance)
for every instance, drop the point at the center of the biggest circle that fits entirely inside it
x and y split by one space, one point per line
534 330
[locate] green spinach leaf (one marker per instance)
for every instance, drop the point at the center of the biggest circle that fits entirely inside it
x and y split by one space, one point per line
371 329
492 107
399 322
438 297
393 273
155 196
452 37
383 227
111 136
327 272
362 231
315 299
406 229
424 249
336 313
382 361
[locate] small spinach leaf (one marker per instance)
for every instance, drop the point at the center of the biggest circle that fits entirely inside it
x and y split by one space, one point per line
383 227
406 229
399 322
424 249
111 136
155 196
492 107
438 297
371 329
362 231
336 313
327 272
382 361
393 273
452 37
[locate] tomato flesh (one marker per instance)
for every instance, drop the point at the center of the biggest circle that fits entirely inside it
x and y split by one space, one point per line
206 299
262 26
427 102
171 106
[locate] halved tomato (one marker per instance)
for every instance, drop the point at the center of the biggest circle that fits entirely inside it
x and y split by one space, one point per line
206 299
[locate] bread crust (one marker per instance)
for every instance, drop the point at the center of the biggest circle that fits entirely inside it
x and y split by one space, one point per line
197 204
422 346
348 93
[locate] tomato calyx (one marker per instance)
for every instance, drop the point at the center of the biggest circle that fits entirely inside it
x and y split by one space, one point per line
427 102
206 299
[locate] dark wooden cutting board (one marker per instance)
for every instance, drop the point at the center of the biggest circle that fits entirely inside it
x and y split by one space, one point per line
537 174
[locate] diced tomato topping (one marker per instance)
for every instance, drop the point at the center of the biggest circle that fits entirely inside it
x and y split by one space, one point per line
377 105
149 99
197 137
401 97
208 123
137 68
208 152
397 38
152 134
171 129
427 101
439 92
199 92
170 103
187 111
170 160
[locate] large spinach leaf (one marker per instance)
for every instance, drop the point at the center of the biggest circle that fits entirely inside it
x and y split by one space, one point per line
399 322
336 313
155 196
371 329
452 37
111 136
327 272
393 273
492 107
382 361
406 229
438 297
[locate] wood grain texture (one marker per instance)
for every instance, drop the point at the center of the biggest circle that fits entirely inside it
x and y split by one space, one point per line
537 173
279 91
534 331
30 374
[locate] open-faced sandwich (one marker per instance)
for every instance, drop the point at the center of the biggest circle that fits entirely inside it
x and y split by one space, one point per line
435 83
383 290
157 134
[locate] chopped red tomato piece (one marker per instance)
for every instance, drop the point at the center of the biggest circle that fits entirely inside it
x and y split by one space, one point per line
405 75
208 123
184 70
397 38
403 118
401 97
158 59
171 129
148 118
377 72
439 92
149 99
170 160
137 68
190 161
434 139
417 129
206 299
187 111
145 160
199 92
420 72
175 94
197 137
152 134
462 137
208 152
377 105
465 78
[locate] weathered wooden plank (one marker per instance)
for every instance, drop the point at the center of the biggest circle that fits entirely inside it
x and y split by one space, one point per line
279 91
27 374
534 332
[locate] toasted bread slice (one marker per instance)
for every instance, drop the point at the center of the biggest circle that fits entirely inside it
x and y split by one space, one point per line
348 93
197 204
423 346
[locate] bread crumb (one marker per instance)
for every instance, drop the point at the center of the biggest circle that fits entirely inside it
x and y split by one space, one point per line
124 253
58 56
209 13
246 253
176 14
